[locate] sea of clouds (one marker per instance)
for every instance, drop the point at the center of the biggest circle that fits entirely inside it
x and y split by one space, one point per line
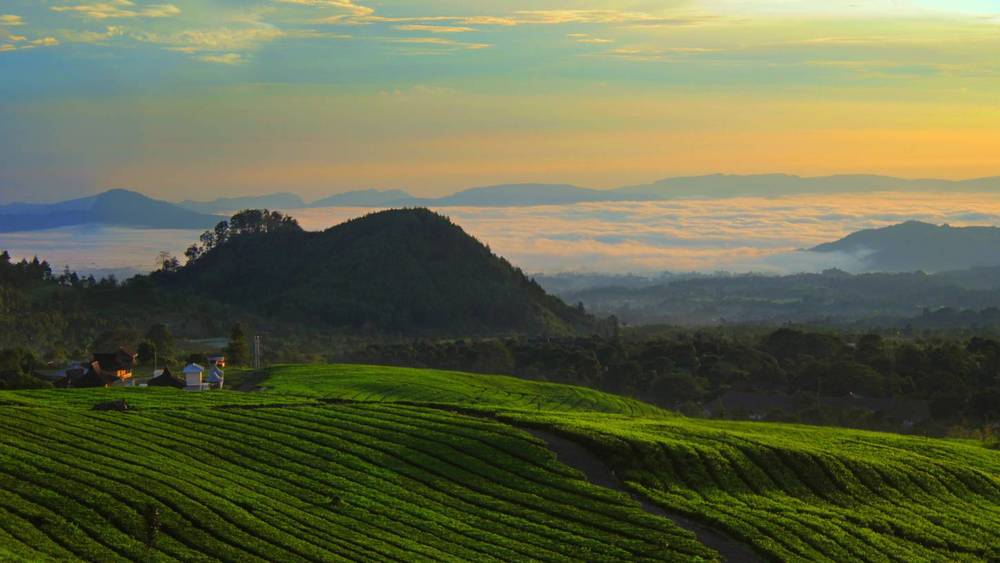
736 234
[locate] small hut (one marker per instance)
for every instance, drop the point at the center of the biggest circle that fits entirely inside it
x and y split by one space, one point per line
194 378
166 379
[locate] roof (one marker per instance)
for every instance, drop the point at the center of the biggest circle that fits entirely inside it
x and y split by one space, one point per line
93 377
193 368
166 379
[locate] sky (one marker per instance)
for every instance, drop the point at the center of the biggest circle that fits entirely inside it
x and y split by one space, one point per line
200 99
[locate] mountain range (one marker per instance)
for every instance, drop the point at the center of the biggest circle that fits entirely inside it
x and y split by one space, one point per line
711 186
121 208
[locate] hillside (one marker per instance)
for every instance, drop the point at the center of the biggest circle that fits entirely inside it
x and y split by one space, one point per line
354 462
401 270
916 246
120 208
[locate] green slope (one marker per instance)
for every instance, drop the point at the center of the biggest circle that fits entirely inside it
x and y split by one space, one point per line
793 492
363 462
466 390
274 477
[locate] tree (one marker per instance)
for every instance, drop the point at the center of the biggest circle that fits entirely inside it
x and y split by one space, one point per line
193 252
146 352
238 351
166 262
160 335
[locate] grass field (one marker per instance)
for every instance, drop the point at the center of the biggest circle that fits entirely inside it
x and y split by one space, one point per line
344 462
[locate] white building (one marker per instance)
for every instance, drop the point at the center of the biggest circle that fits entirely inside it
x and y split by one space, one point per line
194 378
215 378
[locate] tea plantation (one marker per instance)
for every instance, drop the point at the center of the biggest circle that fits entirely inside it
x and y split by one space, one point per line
335 463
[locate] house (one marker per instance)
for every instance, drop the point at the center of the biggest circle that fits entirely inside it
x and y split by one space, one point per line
217 361
94 376
119 363
215 378
194 378
165 379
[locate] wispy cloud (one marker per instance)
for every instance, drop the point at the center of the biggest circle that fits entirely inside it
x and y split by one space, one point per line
556 17
435 28
441 42
656 54
118 9
21 43
360 15
109 32
11 20
225 59
353 8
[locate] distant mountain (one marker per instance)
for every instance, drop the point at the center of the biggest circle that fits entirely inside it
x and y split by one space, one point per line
769 185
514 195
283 200
366 198
398 271
917 246
711 186
115 207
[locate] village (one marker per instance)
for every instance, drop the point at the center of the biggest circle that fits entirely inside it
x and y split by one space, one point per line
119 369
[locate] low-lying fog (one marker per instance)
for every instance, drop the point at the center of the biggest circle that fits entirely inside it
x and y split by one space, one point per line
738 234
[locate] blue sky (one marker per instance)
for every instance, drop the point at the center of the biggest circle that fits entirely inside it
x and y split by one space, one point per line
200 99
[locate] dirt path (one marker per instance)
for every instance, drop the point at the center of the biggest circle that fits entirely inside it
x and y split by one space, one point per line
598 473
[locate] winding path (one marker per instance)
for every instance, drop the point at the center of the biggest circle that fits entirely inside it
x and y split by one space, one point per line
597 472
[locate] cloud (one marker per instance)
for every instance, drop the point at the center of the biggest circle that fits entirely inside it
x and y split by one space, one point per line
353 8
21 43
224 40
109 32
115 9
656 54
441 42
435 28
556 17
225 59
11 20
363 15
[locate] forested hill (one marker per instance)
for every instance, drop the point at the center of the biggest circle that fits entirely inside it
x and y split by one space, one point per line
405 270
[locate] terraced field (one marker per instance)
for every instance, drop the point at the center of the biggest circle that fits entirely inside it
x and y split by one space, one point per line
801 493
466 390
356 462
299 483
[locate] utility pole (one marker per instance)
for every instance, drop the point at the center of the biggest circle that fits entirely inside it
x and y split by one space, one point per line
257 351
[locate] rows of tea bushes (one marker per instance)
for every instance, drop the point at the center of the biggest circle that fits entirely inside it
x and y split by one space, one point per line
298 482
472 391
807 493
